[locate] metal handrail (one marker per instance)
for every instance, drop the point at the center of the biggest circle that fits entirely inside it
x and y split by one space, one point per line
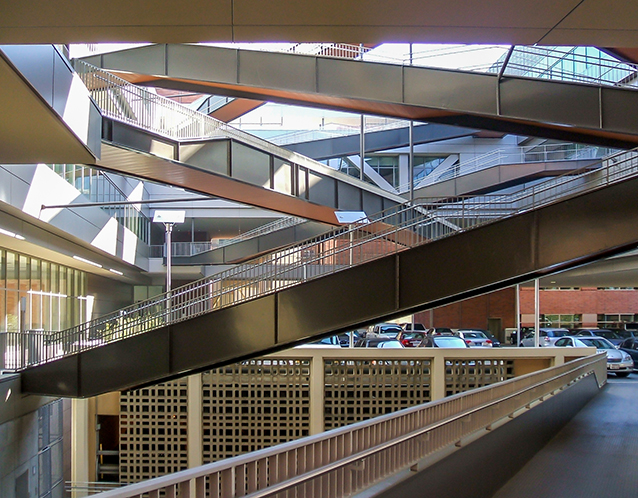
396 229
274 226
301 136
516 155
194 248
383 446
122 101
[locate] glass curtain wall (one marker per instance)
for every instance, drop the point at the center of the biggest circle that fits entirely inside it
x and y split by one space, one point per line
39 295
98 187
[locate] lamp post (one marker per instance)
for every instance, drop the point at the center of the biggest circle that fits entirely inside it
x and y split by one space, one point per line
168 218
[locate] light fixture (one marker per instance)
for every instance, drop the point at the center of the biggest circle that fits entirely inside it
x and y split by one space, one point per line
87 261
169 218
11 234
42 293
116 272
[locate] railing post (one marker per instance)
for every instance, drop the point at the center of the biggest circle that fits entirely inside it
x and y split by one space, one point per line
316 389
437 377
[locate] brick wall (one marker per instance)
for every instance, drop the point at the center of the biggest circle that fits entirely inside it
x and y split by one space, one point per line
475 312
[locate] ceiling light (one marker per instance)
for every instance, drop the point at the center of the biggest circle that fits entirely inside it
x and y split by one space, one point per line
87 261
115 271
11 234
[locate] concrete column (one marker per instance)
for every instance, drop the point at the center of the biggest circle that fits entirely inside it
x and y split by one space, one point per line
537 307
194 436
437 378
362 146
518 315
80 438
316 394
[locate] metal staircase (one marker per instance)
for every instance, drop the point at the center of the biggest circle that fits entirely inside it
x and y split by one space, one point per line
394 231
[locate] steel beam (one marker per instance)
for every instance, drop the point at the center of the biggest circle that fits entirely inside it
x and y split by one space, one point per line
552 109
594 225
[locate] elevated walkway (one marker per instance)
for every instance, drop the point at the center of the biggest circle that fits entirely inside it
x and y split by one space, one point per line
150 137
328 148
563 110
594 455
408 259
249 247
502 176
426 450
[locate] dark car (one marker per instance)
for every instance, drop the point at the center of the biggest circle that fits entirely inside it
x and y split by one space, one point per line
410 339
440 330
379 342
630 346
610 335
344 338
414 326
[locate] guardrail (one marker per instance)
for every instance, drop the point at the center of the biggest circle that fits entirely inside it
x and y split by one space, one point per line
122 101
350 459
393 230
516 155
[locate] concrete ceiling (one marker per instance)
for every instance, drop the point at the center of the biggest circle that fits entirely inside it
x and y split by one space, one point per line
617 271
610 23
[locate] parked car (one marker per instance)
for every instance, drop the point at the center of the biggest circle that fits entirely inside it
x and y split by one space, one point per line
618 362
386 329
379 342
475 338
344 338
410 339
630 346
610 335
417 326
440 330
547 337
325 342
443 341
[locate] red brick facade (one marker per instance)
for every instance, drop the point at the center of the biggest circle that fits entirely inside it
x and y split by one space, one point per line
476 312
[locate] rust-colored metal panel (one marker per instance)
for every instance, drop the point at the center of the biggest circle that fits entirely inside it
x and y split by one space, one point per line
224 336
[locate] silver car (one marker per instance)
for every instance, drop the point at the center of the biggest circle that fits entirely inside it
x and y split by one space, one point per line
618 362
475 338
547 337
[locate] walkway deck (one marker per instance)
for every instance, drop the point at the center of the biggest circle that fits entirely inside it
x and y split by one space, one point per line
593 456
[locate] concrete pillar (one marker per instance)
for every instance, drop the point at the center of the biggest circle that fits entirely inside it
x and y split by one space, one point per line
195 444
194 435
437 378
80 438
316 394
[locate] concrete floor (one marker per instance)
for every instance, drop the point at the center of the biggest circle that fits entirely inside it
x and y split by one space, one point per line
595 455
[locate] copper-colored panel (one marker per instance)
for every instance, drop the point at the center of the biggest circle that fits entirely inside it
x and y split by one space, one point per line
165 171
236 109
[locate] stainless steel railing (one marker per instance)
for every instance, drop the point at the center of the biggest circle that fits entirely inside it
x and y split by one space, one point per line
122 101
193 248
517 155
344 461
393 230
